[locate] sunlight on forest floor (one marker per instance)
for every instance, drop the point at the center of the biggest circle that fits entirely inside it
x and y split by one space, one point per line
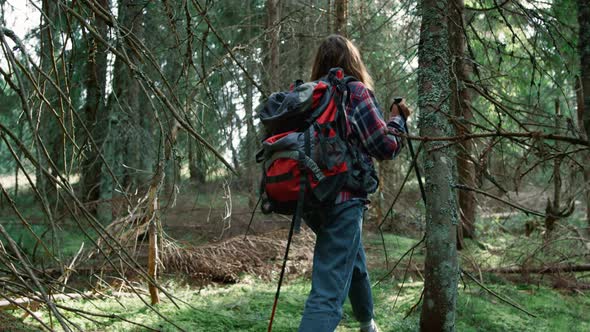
9 181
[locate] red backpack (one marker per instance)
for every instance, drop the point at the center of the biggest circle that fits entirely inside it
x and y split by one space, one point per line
306 158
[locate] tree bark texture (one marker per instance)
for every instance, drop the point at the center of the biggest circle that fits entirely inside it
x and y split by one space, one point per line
461 108
273 28
584 53
441 265
341 11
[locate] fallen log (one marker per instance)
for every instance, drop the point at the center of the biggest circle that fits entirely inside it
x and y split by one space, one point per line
540 269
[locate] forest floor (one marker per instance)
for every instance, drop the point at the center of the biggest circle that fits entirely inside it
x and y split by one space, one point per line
246 304
240 299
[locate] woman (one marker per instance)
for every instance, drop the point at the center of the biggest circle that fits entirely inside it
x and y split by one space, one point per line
339 264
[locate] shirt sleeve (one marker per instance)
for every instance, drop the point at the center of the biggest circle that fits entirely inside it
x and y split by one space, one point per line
380 139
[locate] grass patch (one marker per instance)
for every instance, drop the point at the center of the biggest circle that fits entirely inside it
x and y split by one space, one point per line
67 239
479 311
246 307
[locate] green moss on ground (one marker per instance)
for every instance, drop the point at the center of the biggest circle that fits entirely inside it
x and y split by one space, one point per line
556 311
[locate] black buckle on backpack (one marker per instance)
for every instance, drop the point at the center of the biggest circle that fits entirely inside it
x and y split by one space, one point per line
335 81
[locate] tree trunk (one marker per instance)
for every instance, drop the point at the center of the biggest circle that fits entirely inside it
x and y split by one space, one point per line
126 106
273 28
461 108
173 44
584 52
587 193
329 17
104 129
580 104
340 9
585 155
251 137
152 216
361 23
49 131
16 166
303 39
153 260
552 210
197 174
441 265
94 111
250 167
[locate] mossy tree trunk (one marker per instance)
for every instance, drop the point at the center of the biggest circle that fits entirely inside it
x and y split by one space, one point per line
441 265
461 108
584 52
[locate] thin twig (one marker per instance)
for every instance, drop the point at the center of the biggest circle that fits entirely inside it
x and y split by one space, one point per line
501 298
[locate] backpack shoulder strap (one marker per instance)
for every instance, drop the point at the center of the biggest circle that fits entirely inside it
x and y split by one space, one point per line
349 79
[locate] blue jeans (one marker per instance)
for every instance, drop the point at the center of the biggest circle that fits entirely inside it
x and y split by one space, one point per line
339 268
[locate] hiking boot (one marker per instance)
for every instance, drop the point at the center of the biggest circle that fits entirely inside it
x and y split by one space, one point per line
370 327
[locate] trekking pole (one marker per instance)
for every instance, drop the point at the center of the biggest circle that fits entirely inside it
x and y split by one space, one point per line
396 101
414 165
276 301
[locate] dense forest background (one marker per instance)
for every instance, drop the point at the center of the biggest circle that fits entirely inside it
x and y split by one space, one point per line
128 135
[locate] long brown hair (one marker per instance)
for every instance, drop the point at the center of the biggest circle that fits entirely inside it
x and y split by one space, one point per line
338 51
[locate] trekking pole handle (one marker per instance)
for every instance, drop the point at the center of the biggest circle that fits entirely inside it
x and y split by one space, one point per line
397 101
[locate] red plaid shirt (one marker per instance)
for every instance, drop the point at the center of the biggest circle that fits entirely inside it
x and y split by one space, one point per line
375 137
